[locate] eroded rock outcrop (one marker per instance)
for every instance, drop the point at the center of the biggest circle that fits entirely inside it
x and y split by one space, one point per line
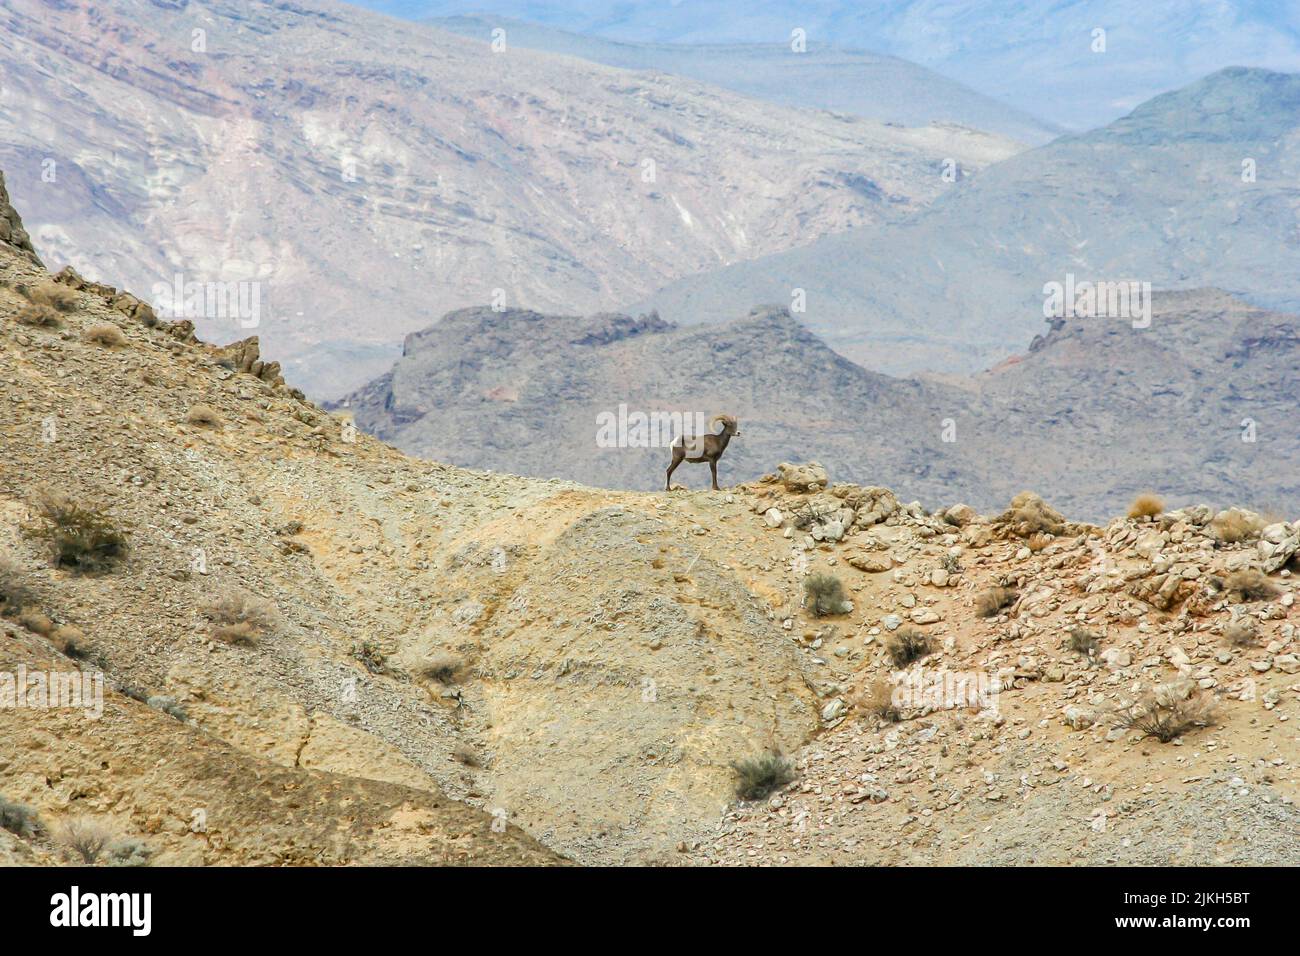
11 226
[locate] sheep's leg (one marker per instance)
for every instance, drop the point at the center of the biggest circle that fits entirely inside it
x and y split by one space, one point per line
668 479
713 467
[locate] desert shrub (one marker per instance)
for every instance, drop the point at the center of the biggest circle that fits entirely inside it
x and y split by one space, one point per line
128 851
372 656
38 316
18 819
239 634
106 334
36 622
878 700
1166 720
757 777
825 594
1029 514
906 645
1235 526
86 837
1083 642
147 316
810 515
1241 633
444 667
465 754
1146 506
204 416
169 706
240 618
133 691
15 595
52 295
81 536
1038 541
1251 584
993 600
69 638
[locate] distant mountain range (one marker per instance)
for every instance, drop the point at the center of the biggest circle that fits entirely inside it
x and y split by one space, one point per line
821 77
1042 56
1197 187
1095 412
364 175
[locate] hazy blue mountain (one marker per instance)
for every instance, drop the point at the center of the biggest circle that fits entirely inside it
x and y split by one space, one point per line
824 77
1161 196
1034 54
366 175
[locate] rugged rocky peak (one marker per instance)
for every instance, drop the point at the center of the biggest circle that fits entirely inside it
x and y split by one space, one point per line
11 225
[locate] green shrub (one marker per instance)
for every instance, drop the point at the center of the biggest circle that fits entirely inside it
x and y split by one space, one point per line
128 851
80 536
757 777
19 820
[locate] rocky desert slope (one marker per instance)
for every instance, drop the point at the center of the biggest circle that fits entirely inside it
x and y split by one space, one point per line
1212 383
369 175
319 650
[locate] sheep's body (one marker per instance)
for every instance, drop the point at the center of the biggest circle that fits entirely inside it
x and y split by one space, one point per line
700 448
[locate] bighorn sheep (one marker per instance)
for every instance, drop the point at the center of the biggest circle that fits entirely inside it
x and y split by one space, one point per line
707 447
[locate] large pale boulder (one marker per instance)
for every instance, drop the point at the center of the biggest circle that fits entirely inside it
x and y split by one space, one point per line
802 478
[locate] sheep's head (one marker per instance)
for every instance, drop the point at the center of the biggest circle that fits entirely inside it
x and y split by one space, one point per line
729 424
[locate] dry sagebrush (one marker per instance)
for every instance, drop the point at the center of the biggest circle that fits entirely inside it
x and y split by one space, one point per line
825 594
81 535
1146 505
1235 526
1167 720
1250 585
51 295
993 600
106 334
240 618
1028 515
906 645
